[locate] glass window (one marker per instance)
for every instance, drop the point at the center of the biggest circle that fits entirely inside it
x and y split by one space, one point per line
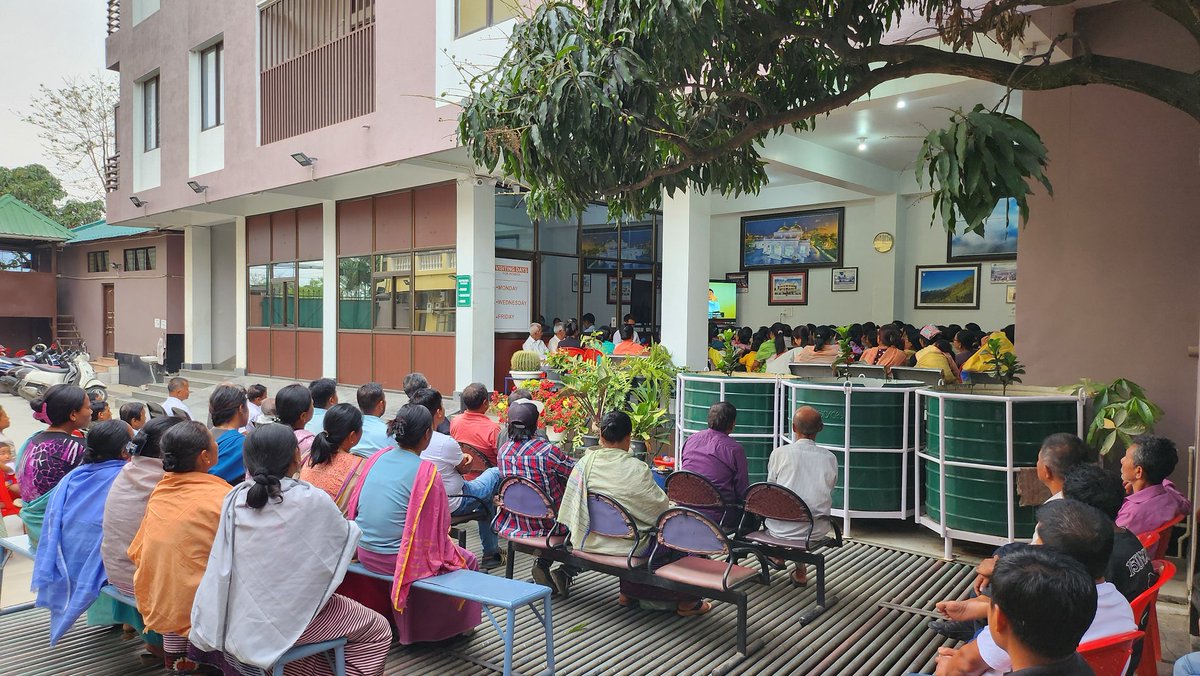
393 291
150 114
310 290
503 10
354 293
212 104
394 262
558 280
434 280
471 15
138 259
283 294
97 261
514 230
559 236
259 300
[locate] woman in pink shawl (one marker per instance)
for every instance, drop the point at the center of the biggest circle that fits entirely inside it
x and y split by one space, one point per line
402 509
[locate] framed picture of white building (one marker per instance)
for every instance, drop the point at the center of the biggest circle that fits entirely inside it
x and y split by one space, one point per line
796 239
788 288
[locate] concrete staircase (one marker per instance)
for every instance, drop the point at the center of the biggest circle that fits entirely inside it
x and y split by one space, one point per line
202 384
107 370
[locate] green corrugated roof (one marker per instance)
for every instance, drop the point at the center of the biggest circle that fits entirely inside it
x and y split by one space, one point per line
102 230
21 221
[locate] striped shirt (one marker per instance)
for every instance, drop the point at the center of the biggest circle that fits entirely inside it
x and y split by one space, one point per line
548 468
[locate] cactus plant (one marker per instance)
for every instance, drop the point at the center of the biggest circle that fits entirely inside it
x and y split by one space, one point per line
526 360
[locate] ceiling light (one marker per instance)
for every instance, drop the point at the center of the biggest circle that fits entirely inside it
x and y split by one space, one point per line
196 187
862 143
303 160
137 202
900 103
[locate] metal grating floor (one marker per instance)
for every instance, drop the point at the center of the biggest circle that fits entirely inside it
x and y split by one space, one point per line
593 635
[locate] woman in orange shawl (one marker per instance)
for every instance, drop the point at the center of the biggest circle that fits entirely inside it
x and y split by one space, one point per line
170 551
402 509
889 353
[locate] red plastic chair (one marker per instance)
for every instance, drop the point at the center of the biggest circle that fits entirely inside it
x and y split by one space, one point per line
1146 615
1108 656
1149 542
1164 537
585 353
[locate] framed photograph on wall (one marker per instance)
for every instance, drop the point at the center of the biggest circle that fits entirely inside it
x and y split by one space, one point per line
1010 294
947 287
844 279
1004 273
999 239
587 283
788 287
742 279
799 238
626 290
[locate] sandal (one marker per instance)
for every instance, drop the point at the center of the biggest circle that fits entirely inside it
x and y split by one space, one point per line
800 580
700 608
627 601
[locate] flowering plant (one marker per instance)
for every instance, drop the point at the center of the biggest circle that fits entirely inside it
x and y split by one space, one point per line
540 390
564 412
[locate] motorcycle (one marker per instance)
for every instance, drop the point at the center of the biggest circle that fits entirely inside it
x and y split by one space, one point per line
32 379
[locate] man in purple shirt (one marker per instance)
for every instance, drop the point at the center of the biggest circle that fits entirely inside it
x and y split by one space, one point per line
714 455
1153 500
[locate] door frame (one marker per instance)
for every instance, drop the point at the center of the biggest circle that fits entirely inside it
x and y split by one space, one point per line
108 338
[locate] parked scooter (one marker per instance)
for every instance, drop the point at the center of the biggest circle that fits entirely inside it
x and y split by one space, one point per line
32 381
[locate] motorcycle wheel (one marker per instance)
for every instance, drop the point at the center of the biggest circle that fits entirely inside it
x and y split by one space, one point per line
98 393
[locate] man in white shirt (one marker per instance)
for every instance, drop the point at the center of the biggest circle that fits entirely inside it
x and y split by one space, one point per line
534 342
810 472
560 332
178 389
1083 533
445 453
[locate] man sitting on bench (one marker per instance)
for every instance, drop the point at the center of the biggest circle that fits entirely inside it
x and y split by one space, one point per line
612 471
810 472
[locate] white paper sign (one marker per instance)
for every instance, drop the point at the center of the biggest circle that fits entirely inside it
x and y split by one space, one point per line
514 300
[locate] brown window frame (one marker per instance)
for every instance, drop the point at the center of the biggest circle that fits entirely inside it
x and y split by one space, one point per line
218 52
97 261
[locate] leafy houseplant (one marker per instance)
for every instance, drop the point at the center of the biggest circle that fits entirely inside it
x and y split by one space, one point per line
729 354
599 386
1004 366
1122 412
845 352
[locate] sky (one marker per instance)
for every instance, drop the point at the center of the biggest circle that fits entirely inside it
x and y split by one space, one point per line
42 42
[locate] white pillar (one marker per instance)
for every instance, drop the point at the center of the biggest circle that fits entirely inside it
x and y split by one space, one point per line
475 337
197 297
888 300
329 302
686 228
241 289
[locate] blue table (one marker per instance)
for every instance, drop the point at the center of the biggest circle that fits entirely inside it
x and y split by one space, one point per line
20 546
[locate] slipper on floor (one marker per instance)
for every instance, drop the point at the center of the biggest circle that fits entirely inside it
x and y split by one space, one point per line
796 582
626 601
700 608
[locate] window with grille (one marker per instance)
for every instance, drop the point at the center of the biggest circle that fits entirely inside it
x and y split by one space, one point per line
97 261
138 259
150 114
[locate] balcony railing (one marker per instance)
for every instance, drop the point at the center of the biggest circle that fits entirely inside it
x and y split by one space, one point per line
112 172
114 16
332 83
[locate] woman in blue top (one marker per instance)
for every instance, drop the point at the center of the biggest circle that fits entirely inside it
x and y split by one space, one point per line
228 410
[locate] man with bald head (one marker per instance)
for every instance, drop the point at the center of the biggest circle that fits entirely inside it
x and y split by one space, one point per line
810 472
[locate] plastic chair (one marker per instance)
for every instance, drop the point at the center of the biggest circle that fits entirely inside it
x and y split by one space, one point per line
521 497
1145 613
1164 537
1108 656
1149 542
609 518
688 489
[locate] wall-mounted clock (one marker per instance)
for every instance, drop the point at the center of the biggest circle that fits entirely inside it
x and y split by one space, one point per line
884 242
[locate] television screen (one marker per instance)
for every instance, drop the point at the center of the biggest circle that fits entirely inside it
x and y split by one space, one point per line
722 300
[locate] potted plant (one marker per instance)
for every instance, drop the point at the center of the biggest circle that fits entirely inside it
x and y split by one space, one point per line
841 365
1122 412
526 365
599 385
729 354
648 417
1003 366
562 417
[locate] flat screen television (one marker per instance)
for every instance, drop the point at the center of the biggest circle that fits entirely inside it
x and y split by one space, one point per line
722 301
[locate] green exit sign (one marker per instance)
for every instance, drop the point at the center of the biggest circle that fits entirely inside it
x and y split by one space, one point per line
462 290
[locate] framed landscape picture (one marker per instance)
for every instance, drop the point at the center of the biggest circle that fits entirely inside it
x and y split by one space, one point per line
844 279
788 288
626 289
800 238
999 240
947 287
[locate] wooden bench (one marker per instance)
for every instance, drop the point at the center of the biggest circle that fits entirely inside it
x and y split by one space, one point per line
490 590
17 545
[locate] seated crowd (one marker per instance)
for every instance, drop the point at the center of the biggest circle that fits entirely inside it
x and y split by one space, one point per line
952 349
622 340
194 521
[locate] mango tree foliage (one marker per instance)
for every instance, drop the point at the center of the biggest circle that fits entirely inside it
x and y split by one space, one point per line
623 99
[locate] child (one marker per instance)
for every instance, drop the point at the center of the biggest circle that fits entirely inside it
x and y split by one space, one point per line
255 395
10 492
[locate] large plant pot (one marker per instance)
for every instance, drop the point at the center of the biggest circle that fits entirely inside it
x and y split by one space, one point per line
979 440
521 376
872 422
755 396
